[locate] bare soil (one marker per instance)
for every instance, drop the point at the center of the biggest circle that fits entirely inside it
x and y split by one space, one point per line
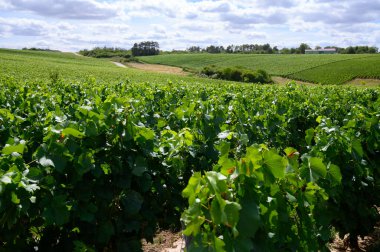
364 82
158 68
165 241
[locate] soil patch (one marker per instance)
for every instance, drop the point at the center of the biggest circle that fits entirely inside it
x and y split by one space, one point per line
165 241
158 68
364 82
282 80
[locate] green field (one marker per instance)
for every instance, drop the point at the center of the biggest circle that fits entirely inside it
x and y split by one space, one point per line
325 69
42 66
94 157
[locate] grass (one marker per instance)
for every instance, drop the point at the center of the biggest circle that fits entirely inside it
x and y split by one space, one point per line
326 69
43 66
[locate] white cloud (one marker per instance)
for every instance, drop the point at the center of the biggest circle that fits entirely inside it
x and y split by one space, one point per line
66 9
182 23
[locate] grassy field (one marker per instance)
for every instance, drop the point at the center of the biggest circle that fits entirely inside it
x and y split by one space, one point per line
42 66
325 69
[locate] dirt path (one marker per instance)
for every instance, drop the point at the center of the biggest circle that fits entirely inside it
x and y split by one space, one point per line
77 54
118 64
158 68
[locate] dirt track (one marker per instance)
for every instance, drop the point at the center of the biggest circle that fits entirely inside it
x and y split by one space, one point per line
158 68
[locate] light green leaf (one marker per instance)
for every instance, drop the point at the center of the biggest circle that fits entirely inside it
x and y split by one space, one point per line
72 132
309 136
14 198
275 163
9 149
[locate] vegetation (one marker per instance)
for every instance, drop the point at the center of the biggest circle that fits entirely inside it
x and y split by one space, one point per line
325 69
268 49
106 52
92 164
145 48
237 74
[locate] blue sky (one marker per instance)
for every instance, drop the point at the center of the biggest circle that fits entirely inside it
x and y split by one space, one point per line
71 25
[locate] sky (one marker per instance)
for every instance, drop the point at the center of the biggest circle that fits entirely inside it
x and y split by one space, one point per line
72 25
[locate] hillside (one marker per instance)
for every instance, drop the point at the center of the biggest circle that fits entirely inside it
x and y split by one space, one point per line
325 69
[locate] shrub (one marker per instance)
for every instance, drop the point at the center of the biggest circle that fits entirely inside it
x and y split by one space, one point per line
237 74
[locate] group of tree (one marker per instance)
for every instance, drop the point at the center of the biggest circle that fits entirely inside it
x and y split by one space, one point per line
244 48
139 49
237 74
40 49
268 49
145 48
358 49
106 52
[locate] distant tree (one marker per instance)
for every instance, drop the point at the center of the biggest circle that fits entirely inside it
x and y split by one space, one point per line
350 50
230 49
214 49
194 49
285 50
145 48
318 47
303 47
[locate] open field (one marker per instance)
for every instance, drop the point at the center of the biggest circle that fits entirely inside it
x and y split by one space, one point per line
325 69
36 65
95 157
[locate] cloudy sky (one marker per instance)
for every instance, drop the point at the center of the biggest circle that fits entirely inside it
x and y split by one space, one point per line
71 25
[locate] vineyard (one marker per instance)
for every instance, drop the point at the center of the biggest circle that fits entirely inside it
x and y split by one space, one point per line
96 158
325 69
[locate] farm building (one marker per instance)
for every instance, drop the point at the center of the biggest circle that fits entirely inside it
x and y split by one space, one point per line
321 51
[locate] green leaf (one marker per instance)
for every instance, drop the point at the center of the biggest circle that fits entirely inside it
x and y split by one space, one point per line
250 221
46 162
216 181
309 136
106 230
357 148
72 132
315 169
14 198
192 187
335 173
9 149
232 212
132 202
275 163
140 166
216 211
56 212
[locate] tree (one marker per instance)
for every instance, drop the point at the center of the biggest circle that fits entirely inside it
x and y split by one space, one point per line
145 48
303 47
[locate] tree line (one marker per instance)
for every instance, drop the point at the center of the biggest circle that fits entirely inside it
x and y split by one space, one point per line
144 48
268 49
147 48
